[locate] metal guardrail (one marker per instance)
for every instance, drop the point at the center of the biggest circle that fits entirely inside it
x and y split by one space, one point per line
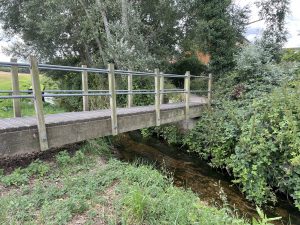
91 70
37 94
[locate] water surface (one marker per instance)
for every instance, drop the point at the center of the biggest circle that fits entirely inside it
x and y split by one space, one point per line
212 186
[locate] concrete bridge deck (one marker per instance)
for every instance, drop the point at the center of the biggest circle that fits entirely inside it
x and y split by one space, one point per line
20 135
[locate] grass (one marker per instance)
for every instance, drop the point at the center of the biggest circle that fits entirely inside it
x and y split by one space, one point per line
5 81
90 187
6 106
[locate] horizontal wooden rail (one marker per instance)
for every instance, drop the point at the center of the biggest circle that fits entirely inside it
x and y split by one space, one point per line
37 94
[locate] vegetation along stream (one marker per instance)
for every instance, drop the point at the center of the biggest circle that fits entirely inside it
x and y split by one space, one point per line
212 186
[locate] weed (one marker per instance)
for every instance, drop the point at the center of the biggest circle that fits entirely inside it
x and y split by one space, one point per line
38 168
18 177
63 159
21 176
79 157
263 219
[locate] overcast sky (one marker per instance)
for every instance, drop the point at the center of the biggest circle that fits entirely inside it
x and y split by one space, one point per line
253 31
292 23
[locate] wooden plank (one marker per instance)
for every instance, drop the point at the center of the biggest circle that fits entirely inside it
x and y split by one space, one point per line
209 89
85 89
162 88
113 98
38 103
187 86
130 89
15 88
157 97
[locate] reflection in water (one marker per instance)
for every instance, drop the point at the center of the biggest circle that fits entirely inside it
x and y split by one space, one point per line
196 174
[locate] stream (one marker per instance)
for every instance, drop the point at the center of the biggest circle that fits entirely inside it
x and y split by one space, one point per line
191 172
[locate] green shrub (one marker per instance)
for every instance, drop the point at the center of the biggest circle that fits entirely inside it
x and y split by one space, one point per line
216 134
268 151
191 64
253 130
260 144
291 56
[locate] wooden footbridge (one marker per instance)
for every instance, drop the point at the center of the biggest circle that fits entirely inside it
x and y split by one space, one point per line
23 135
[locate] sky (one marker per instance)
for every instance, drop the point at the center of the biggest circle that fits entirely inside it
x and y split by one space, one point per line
292 23
253 31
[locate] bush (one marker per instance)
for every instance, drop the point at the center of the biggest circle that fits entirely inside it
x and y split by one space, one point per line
254 128
270 138
191 64
216 134
250 141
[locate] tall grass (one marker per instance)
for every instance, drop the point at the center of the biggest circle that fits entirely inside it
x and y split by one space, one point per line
82 185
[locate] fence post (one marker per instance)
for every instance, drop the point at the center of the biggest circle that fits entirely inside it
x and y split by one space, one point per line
15 88
209 89
130 89
113 98
38 103
162 87
85 89
157 97
187 88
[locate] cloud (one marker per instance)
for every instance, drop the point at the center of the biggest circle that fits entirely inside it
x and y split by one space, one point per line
292 23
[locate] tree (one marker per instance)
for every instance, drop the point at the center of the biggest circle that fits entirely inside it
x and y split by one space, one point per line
215 27
274 13
134 34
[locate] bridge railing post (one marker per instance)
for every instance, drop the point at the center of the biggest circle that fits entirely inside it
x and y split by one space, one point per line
113 98
157 96
130 89
187 89
85 90
15 88
162 87
209 93
38 103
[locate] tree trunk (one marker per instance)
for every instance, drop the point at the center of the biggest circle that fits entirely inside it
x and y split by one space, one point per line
105 20
125 16
95 32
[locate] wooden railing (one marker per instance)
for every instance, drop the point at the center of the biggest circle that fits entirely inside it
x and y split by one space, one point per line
37 93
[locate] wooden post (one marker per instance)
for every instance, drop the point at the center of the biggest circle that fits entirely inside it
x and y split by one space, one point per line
85 89
113 98
209 89
15 89
157 97
187 84
38 103
130 89
162 87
